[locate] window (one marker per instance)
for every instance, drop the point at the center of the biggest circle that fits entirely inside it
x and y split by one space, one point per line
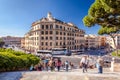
50 38
68 34
56 43
60 38
57 26
50 43
81 35
64 33
42 43
51 32
46 43
64 43
60 33
64 28
68 28
56 38
46 32
60 43
72 43
51 26
42 38
60 27
42 27
46 38
64 38
46 26
42 32
57 33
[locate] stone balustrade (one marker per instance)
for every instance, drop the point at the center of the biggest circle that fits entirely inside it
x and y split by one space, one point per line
115 67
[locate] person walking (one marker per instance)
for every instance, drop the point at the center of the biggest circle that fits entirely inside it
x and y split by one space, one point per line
31 67
66 65
40 67
46 64
71 65
58 64
84 63
100 64
51 64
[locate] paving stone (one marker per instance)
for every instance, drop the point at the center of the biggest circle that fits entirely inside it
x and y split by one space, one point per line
71 75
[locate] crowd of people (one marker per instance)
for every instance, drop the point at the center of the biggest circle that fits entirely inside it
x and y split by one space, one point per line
56 64
52 64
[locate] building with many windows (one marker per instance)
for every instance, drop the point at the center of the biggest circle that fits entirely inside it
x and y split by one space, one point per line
91 41
14 41
23 43
94 41
48 33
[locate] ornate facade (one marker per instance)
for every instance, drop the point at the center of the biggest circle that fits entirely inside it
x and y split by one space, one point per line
48 33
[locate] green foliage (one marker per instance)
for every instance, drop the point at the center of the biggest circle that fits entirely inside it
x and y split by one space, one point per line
88 21
14 60
105 13
114 53
106 30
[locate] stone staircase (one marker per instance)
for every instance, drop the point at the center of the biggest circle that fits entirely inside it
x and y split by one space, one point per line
75 74
71 75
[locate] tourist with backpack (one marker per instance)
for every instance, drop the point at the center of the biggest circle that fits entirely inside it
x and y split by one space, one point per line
100 64
84 63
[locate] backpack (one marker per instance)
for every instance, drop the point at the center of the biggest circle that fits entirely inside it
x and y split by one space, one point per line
66 63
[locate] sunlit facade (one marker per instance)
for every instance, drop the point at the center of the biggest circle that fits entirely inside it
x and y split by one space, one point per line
94 41
48 33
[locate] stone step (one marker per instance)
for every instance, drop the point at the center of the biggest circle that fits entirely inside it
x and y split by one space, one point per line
69 76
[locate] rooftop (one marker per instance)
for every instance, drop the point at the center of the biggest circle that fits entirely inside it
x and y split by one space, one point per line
50 18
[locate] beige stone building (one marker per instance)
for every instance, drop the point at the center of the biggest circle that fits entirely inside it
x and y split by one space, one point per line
94 41
48 33
23 43
14 41
91 41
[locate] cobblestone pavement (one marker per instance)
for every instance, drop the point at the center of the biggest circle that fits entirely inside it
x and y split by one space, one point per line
62 75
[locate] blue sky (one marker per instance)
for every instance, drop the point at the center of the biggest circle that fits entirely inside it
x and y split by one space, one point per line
16 16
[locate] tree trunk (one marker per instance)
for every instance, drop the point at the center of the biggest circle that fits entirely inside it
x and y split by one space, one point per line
113 37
